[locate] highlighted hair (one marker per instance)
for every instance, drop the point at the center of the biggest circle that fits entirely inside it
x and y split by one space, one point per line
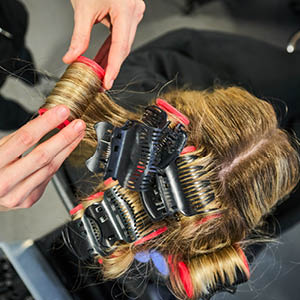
248 161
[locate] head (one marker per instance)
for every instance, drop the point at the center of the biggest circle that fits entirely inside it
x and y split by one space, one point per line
247 162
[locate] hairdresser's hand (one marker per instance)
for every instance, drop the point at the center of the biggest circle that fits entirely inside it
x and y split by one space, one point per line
24 179
121 16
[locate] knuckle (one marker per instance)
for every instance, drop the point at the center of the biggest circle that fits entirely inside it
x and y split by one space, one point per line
80 37
52 168
42 157
131 4
25 138
67 137
139 17
124 49
11 203
4 187
31 199
141 7
28 203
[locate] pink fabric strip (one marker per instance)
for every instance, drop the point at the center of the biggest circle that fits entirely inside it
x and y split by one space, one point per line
151 235
188 149
172 110
95 196
244 258
74 210
207 218
94 66
186 279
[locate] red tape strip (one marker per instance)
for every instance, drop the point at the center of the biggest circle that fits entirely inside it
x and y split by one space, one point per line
207 218
184 274
100 261
188 149
94 66
170 262
95 196
108 181
244 258
172 110
186 280
151 235
77 208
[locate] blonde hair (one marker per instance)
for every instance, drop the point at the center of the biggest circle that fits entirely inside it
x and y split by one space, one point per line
248 161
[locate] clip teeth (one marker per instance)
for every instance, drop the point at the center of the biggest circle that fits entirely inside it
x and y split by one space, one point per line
181 187
133 153
154 117
135 218
97 163
197 191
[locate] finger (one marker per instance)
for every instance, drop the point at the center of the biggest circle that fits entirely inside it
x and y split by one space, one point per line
23 190
35 195
137 17
5 138
119 49
39 157
106 22
31 133
132 34
103 52
123 34
81 35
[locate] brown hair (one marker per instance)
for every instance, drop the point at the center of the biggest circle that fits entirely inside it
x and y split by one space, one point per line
247 159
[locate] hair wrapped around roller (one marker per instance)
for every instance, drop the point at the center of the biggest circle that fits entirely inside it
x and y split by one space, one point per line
243 163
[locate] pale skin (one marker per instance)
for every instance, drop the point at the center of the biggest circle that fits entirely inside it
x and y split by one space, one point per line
121 17
24 179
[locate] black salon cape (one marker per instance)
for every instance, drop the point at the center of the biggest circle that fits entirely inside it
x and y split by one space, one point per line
204 59
14 19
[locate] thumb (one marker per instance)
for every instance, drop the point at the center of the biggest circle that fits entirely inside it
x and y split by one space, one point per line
80 38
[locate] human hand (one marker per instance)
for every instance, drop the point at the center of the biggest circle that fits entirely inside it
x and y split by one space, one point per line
24 179
121 16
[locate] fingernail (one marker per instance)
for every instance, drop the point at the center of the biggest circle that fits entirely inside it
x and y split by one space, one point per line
62 112
69 55
110 84
79 126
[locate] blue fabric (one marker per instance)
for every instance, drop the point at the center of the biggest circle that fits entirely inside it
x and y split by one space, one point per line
159 262
143 256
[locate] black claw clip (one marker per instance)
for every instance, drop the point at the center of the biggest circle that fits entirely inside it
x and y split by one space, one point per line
97 163
240 278
178 188
134 153
101 226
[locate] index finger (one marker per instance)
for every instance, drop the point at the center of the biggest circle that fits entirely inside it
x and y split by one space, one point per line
31 133
119 49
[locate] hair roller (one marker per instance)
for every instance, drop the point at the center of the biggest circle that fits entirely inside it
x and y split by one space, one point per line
204 275
77 87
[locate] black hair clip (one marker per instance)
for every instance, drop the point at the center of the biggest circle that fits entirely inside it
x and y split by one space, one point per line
135 152
240 278
102 225
178 188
